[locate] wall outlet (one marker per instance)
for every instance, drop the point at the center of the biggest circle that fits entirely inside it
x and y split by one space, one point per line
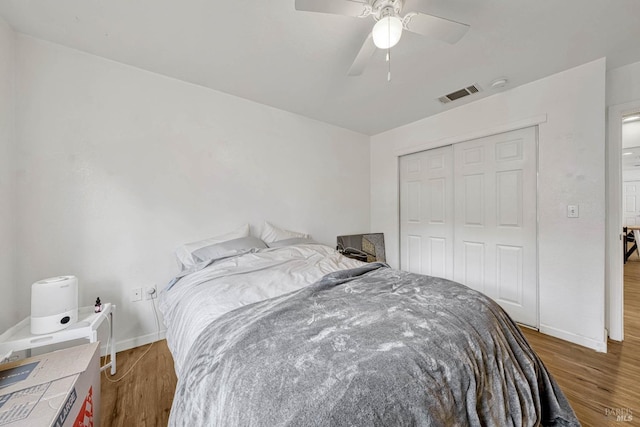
136 294
150 292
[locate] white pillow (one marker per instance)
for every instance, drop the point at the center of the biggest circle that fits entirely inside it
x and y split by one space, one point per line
271 233
185 252
293 241
229 248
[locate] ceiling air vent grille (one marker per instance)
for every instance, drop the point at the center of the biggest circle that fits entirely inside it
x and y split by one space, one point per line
459 94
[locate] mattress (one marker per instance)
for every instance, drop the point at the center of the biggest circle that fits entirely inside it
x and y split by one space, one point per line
199 298
362 345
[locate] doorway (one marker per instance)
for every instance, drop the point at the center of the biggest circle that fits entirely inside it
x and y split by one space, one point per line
623 152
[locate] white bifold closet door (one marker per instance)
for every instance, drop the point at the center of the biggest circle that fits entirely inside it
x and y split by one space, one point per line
495 220
426 212
491 191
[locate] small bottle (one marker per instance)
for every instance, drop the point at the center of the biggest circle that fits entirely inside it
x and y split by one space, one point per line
98 306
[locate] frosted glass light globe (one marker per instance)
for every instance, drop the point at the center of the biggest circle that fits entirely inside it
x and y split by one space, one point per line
387 32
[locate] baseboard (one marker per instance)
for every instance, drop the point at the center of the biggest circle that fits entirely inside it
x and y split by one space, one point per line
599 346
135 342
533 328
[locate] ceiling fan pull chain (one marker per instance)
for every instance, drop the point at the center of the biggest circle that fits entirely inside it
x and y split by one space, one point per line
389 55
389 64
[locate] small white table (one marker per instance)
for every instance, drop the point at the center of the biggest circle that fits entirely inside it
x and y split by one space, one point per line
19 337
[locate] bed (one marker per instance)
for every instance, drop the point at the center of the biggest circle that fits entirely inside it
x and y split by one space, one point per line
299 335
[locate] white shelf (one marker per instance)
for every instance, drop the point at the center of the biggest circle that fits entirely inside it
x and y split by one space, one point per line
19 337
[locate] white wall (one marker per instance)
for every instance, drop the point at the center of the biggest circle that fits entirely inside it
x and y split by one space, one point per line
8 311
118 166
631 175
631 134
623 84
631 138
571 171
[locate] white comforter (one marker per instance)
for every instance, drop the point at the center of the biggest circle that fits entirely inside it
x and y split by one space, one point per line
199 298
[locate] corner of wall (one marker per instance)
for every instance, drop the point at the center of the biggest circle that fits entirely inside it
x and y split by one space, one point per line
8 235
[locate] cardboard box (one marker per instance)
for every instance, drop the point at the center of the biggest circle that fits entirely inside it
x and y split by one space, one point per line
60 389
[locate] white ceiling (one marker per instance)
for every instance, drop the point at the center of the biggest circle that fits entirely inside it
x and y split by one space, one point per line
267 52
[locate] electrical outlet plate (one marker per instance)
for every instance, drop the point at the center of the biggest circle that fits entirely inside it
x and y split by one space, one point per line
136 294
150 292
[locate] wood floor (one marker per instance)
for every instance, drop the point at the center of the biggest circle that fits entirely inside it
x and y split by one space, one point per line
142 398
599 386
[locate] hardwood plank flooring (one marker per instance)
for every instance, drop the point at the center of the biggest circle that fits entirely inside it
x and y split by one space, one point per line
141 398
600 386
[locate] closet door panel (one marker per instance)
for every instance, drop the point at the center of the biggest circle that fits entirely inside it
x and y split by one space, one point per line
426 212
472 265
495 208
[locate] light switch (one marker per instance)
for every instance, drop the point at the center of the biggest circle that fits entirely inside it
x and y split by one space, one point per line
573 211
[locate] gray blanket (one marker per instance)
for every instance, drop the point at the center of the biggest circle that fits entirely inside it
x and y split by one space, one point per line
371 346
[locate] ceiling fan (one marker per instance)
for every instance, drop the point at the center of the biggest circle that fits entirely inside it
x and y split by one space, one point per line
389 24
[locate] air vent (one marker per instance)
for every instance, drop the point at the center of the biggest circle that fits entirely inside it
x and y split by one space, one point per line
459 94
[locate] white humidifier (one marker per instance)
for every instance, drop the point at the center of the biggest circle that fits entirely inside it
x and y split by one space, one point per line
54 304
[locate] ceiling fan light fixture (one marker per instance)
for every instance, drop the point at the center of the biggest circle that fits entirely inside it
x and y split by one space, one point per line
387 32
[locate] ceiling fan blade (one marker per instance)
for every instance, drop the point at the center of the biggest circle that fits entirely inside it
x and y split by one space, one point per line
336 7
435 27
366 51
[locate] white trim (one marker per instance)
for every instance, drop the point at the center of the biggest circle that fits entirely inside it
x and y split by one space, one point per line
141 340
520 124
599 346
537 142
614 267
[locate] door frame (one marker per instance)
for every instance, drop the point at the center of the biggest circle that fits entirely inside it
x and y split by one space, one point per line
614 266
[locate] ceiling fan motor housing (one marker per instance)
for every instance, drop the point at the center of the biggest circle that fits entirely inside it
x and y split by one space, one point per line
382 8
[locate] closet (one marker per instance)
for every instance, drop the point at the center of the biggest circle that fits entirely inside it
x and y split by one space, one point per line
468 213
